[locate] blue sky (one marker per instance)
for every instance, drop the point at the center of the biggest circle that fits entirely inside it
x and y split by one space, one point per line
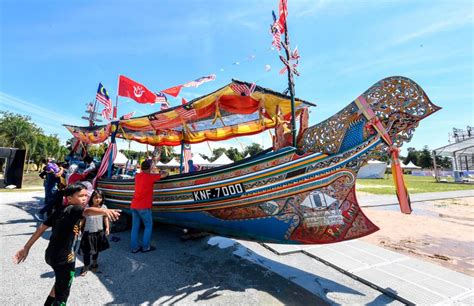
54 54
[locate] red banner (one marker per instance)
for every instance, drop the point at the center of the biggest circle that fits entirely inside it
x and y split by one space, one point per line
136 91
173 91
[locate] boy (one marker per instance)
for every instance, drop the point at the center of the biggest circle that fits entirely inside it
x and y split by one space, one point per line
141 206
64 221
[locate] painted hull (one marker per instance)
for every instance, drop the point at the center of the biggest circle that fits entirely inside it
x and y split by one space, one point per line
287 199
303 195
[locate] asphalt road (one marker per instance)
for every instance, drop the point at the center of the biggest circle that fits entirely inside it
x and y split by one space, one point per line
191 272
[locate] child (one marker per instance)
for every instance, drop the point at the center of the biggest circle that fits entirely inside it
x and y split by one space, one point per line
94 238
64 220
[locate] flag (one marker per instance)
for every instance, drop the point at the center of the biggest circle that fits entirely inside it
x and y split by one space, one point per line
283 11
173 91
183 101
200 81
136 91
242 89
128 116
161 98
187 156
164 106
104 164
103 96
106 113
186 113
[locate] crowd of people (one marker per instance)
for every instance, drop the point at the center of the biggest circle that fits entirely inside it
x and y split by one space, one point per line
73 210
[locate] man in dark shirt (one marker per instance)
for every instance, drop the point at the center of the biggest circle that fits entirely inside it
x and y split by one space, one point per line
65 229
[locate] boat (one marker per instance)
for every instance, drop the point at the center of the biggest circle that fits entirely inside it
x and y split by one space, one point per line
300 192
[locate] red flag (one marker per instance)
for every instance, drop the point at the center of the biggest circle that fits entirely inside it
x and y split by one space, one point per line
136 91
173 91
183 101
283 11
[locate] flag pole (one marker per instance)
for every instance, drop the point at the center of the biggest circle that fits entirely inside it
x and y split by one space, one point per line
116 98
291 84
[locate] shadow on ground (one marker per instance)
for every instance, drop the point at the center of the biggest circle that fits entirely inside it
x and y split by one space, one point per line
191 271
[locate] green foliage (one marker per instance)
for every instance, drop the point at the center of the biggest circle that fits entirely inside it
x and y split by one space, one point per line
19 131
253 149
233 153
412 156
425 160
96 150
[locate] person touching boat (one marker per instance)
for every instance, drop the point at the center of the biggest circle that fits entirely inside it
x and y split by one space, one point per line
141 207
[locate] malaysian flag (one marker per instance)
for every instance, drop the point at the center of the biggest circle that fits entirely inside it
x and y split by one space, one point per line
106 113
185 112
160 98
104 164
242 89
187 156
200 81
103 96
128 116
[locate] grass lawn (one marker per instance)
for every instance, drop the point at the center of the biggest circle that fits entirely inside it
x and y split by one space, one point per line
415 184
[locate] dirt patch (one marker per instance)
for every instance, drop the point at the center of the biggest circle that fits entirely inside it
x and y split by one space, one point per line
439 231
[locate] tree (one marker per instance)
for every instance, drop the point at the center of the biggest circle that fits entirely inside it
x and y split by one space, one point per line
253 149
412 156
96 150
215 154
425 160
234 154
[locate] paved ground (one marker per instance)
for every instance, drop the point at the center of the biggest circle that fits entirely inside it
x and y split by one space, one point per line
184 273
217 270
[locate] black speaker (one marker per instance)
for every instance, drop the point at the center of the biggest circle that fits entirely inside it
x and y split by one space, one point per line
14 166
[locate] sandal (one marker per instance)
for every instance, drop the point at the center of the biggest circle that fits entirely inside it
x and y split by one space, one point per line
84 271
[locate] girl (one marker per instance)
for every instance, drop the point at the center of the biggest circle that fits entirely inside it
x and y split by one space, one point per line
64 221
94 238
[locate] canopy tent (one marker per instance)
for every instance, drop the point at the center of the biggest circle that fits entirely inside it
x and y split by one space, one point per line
222 160
373 169
462 154
159 164
410 166
220 115
120 159
198 160
172 163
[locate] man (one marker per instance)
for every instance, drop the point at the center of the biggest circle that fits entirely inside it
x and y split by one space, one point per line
141 206
51 174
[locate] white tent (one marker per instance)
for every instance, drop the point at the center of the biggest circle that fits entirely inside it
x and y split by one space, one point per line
373 169
222 160
120 159
172 163
159 164
410 165
198 160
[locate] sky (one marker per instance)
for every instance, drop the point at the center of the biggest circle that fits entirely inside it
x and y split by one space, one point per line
53 54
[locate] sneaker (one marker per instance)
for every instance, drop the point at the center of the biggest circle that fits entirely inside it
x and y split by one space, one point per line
136 251
39 217
152 248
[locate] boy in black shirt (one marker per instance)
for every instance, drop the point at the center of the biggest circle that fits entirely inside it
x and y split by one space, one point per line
65 229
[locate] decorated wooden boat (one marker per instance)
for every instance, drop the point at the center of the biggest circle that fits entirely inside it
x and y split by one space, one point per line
303 194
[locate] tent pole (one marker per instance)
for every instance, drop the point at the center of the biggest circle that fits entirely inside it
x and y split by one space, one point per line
181 158
435 166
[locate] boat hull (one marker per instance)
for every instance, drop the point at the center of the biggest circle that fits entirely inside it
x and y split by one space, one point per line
288 198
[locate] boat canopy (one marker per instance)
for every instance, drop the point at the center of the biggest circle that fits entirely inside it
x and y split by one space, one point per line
223 114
